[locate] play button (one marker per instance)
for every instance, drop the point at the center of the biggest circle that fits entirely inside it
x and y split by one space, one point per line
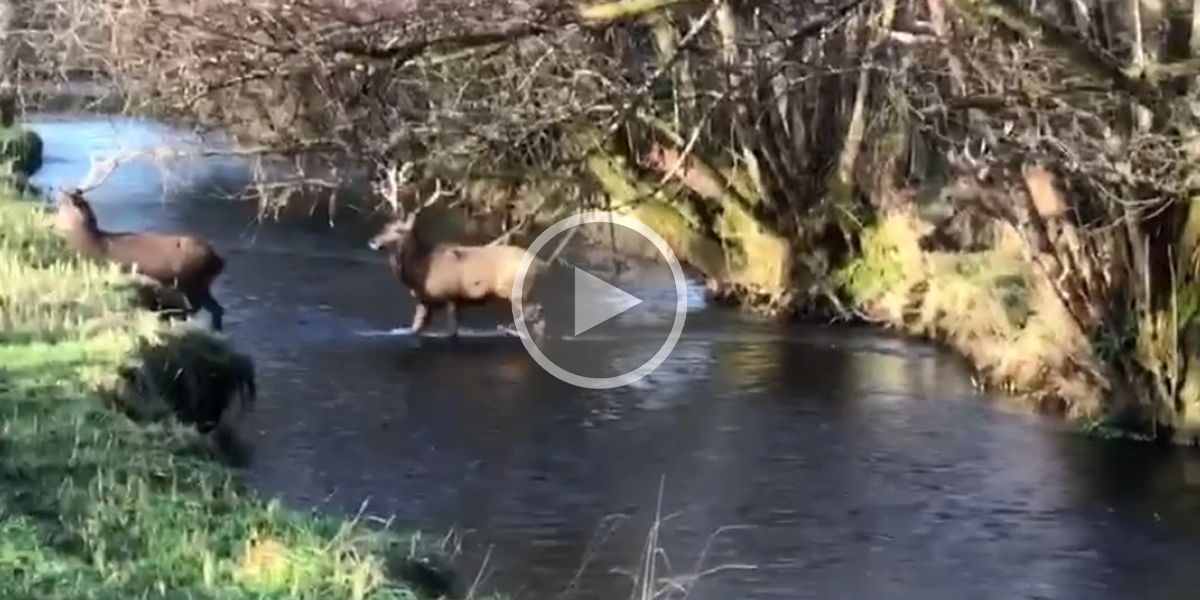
596 301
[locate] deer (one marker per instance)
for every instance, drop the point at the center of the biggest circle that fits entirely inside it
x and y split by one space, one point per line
184 264
453 276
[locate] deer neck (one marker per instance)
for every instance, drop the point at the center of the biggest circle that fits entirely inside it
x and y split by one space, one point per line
410 259
91 242
416 245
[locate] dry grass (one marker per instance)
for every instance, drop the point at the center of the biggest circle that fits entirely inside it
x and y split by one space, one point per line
94 504
654 577
992 307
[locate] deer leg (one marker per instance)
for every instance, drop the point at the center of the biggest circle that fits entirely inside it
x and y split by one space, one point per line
216 312
532 313
452 316
420 319
535 318
202 299
163 301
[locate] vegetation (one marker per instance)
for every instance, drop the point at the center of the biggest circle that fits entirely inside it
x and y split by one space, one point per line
21 149
989 305
103 503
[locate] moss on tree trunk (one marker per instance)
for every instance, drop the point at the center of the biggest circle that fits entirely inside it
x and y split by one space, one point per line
672 220
735 249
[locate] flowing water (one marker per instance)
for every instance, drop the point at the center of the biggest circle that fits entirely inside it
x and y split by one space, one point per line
793 462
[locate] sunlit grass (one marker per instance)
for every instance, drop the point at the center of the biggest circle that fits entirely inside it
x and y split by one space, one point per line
990 306
96 505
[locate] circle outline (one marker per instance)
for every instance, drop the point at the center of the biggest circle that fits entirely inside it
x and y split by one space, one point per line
599 383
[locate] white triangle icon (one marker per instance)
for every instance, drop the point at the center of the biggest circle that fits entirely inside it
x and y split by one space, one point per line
596 301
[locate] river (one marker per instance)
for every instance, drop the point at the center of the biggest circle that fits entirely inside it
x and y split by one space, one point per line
794 462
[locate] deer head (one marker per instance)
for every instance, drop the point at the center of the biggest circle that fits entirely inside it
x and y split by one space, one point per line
404 225
73 212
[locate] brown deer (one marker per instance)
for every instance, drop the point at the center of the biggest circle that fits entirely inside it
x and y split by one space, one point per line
455 276
182 263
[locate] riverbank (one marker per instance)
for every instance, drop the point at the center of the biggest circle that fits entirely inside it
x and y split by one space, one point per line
990 306
1002 314
100 502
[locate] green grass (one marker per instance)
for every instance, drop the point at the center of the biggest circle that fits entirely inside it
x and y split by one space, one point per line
104 503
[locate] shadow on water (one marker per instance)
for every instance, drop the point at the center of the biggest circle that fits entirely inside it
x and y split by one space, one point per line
853 465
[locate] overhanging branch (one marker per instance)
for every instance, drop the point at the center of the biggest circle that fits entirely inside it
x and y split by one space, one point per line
402 53
1015 18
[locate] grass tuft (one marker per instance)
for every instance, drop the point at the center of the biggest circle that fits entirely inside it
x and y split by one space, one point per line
103 503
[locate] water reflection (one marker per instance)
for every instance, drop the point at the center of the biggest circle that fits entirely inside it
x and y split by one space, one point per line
857 465
71 151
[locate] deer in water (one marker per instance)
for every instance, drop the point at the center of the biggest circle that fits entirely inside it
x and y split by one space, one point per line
182 263
454 276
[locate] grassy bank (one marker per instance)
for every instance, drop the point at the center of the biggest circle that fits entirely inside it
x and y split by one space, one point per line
992 306
104 503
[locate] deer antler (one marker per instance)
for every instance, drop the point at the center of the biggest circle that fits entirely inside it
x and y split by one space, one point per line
392 184
435 196
101 170
393 181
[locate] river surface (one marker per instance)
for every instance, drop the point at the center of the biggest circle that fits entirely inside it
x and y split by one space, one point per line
793 462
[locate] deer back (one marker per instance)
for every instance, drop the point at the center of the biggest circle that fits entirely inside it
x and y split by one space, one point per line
170 259
180 260
473 273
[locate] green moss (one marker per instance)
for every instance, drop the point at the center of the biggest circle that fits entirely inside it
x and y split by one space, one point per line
875 271
95 504
891 261
674 221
